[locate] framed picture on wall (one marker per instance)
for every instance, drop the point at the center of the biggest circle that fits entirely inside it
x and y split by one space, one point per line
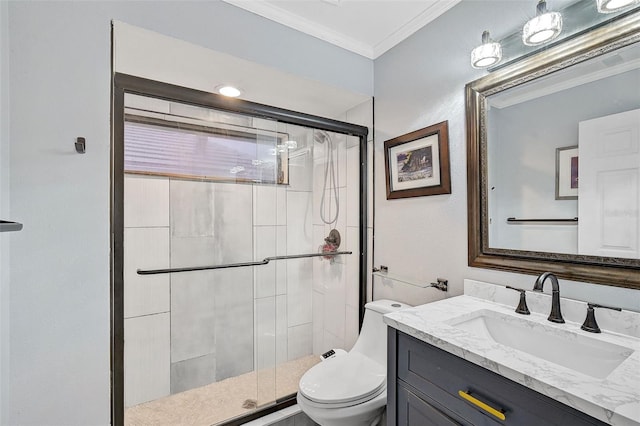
417 164
567 173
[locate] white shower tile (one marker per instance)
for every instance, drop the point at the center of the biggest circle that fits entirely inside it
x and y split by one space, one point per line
194 251
193 373
341 223
318 182
281 265
192 207
265 337
332 341
146 358
265 205
233 308
318 323
301 173
319 264
352 281
146 201
340 159
265 275
351 327
232 215
335 300
352 202
145 248
300 341
271 331
281 205
329 206
281 329
193 318
299 291
299 226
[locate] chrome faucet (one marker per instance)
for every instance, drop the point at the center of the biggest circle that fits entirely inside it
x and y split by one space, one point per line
555 315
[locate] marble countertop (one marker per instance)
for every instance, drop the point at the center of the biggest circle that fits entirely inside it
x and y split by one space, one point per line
614 400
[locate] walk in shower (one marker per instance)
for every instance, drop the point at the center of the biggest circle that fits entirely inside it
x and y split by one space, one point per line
239 252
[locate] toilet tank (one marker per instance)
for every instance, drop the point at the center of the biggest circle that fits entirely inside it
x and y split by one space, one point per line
372 341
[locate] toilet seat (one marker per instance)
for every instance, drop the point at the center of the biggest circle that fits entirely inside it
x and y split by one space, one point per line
343 381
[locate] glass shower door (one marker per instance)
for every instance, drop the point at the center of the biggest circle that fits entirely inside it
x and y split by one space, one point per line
199 344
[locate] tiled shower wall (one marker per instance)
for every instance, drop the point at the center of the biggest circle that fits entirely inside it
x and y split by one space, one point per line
336 285
189 329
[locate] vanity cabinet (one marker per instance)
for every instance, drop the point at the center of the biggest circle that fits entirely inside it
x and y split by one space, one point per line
428 386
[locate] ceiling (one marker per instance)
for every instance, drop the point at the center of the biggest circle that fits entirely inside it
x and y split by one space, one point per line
366 27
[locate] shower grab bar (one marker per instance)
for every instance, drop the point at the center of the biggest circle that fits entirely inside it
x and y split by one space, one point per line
264 261
514 220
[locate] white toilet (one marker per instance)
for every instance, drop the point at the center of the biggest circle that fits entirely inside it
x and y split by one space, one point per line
350 389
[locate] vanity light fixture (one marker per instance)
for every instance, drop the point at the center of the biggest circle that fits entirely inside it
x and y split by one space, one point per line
544 27
610 6
228 91
487 54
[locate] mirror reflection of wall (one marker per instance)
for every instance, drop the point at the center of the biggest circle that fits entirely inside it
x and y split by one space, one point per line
527 125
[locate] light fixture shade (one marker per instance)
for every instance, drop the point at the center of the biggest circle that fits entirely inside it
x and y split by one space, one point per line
544 27
610 6
487 54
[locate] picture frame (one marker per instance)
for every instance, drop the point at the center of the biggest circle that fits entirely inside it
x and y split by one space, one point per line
417 163
567 173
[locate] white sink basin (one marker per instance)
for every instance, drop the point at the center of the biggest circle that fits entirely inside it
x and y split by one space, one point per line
570 349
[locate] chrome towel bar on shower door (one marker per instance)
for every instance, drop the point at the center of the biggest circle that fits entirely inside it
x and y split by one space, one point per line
239 265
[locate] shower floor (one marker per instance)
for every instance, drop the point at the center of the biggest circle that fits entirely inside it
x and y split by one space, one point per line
223 400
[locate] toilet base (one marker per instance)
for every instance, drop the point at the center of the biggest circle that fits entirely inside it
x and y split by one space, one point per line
368 413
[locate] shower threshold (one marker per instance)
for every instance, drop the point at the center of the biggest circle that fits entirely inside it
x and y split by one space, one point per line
224 400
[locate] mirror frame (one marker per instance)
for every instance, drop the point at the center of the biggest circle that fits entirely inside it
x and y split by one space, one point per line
594 269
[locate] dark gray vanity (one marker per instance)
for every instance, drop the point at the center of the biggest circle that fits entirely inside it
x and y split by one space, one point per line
429 386
472 360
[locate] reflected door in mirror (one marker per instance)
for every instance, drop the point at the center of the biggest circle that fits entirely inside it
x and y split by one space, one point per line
609 190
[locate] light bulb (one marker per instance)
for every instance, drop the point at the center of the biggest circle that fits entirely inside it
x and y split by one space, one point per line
610 6
544 27
487 54
229 91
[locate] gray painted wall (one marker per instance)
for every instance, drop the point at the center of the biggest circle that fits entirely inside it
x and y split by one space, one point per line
418 83
60 86
4 207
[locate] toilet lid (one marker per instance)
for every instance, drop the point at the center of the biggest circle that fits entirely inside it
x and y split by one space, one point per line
343 379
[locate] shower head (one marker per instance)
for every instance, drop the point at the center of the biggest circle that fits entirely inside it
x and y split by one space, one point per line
320 136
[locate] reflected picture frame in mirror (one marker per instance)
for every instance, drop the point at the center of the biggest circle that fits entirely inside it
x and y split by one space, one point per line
615 271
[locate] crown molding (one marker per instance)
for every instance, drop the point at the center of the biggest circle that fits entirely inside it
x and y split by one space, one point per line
429 14
291 20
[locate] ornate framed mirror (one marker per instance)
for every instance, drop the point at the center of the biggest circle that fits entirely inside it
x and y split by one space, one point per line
524 123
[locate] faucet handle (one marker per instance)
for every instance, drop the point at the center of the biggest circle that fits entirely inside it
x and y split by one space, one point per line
590 323
522 306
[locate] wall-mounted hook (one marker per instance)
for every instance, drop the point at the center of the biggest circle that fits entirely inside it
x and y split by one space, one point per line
80 145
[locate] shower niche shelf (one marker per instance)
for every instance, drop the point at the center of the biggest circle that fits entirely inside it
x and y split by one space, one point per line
8 226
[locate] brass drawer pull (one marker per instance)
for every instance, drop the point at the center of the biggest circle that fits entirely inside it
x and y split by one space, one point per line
499 414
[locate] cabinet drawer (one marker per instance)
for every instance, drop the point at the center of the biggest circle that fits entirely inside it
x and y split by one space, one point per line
414 410
472 391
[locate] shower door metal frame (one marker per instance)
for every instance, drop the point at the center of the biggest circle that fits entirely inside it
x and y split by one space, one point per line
123 84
